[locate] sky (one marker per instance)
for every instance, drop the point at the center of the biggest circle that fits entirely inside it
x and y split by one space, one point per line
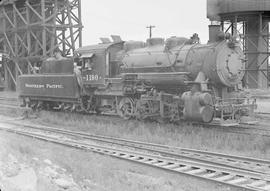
129 18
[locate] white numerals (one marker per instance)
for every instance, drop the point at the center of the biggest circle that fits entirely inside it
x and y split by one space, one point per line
92 77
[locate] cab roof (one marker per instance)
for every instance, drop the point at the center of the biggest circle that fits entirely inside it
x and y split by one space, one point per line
102 47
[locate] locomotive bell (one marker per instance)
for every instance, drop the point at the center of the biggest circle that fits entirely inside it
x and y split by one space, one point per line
155 41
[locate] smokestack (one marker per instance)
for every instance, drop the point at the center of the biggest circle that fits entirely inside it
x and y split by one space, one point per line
214 33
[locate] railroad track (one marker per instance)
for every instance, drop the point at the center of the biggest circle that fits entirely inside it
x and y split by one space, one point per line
261 129
8 99
8 104
5 101
244 163
5 105
189 162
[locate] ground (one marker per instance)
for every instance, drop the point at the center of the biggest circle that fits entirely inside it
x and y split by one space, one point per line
31 165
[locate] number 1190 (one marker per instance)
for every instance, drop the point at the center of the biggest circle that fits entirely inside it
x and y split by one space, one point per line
91 77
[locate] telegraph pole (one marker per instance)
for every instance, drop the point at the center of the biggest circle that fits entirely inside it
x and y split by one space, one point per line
150 27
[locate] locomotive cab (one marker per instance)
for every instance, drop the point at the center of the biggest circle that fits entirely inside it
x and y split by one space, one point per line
98 62
91 70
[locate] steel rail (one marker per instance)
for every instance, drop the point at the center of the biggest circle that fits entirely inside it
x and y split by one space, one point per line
10 105
238 162
238 129
230 177
8 99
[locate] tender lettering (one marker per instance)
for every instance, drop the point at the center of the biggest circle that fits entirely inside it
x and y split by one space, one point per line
54 86
47 86
34 86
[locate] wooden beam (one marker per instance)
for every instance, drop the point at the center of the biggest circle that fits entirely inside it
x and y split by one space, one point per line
33 10
11 75
19 14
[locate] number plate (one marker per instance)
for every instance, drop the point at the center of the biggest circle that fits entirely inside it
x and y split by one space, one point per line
91 77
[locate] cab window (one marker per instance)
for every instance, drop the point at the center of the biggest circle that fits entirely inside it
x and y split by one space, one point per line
88 63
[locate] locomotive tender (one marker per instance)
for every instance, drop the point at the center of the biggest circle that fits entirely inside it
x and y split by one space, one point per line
172 80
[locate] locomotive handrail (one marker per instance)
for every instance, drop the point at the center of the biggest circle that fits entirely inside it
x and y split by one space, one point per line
160 73
229 99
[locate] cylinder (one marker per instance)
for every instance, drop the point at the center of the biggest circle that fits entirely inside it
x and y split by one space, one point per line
205 99
196 107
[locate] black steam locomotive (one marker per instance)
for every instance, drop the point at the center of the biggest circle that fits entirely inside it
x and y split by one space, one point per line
172 80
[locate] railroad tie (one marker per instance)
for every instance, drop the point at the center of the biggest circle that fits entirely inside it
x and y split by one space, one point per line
211 175
115 154
238 181
145 159
123 155
171 166
152 161
197 171
134 157
109 152
257 183
225 177
184 168
162 163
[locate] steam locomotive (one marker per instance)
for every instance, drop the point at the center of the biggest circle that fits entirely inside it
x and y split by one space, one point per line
172 80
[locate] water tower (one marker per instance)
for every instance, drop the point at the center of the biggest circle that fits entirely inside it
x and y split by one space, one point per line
32 30
247 20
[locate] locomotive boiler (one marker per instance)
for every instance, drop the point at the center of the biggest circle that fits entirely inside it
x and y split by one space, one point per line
161 80
213 72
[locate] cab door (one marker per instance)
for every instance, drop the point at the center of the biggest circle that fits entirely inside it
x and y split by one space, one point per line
94 69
